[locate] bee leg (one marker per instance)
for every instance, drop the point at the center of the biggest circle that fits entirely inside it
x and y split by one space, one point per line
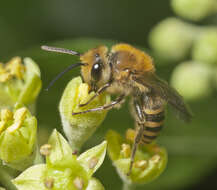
109 106
99 91
139 133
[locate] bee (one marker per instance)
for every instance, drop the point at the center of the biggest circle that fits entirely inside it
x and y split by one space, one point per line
127 71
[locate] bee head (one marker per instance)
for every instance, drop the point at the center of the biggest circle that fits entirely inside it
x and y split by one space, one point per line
95 69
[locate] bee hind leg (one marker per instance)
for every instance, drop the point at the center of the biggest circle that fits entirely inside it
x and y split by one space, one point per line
140 129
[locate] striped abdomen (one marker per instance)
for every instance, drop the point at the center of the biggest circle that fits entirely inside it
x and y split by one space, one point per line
153 124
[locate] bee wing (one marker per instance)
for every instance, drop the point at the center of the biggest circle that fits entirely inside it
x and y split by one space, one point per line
161 88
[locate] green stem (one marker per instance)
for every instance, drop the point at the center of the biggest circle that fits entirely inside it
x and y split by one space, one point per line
38 158
127 186
5 179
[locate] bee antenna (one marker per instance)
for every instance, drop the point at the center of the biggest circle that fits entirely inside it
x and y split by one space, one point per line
62 73
60 50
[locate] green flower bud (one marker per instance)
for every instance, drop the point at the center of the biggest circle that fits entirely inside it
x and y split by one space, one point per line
194 9
78 128
63 169
19 82
149 163
205 48
172 39
18 132
192 80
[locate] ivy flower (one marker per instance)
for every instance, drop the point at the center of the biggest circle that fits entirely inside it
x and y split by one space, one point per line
19 83
149 163
63 168
18 130
78 128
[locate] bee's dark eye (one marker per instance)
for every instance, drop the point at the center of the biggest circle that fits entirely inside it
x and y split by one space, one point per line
96 71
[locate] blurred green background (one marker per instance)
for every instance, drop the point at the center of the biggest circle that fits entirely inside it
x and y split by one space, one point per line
79 25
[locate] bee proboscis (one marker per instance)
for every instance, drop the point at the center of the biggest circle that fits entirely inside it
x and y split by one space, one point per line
128 71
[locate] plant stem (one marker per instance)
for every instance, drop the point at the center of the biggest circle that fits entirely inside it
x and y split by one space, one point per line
38 158
5 179
127 186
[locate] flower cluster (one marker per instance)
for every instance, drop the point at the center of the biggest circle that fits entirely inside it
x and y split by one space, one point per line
173 40
149 163
63 169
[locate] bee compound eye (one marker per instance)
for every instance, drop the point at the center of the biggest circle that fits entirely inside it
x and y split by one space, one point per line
96 71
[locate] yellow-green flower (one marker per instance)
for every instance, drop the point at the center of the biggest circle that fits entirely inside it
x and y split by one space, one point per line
19 82
78 128
18 130
150 160
63 169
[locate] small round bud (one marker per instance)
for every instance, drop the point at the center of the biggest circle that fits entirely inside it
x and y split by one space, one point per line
194 9
172 39
192 80
205 48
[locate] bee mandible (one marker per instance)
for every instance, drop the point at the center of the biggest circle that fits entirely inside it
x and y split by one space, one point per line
128 71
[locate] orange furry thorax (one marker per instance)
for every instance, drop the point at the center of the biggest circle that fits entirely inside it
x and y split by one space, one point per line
132 58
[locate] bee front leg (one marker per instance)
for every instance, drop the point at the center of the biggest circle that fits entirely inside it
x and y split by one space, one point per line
109 106
140 129
99 91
